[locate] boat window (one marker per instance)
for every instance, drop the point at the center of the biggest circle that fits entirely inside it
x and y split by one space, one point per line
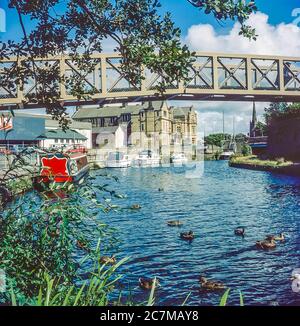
81 162
116 156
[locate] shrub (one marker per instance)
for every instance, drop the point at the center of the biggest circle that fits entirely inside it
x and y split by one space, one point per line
40 236
246 150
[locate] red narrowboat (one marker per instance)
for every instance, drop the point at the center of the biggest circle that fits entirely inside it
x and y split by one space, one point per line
62 168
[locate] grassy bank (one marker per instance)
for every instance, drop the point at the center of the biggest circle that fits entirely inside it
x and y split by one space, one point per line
254 163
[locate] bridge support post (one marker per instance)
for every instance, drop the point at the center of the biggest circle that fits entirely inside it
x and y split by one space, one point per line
103 76
62 70
249 74
215 65
281 75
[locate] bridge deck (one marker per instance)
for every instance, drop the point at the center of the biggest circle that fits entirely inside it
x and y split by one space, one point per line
214 77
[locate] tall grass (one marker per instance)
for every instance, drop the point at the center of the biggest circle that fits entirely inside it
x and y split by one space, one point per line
225 298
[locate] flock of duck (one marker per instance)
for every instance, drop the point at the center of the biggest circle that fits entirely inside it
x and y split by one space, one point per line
210 285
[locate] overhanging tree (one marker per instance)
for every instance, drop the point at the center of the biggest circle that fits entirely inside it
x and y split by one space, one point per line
78 28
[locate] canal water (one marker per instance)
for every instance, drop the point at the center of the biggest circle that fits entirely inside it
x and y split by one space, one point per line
212 206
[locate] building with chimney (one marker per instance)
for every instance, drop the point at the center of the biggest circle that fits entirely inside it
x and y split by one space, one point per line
151 125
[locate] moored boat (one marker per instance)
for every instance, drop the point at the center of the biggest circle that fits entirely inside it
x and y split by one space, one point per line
117 160
62 168
226 155
147 158
179 159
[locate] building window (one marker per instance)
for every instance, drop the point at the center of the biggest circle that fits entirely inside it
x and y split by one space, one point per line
105 141
61 141
56 141
101 122
142 127
165 114
157 113
68 141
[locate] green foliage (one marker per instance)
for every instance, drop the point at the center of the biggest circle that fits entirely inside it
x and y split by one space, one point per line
145 39
241 299
92 292
240 138
216 139
217 155
230 9
225 296
151 298
275 110
40 237
253 160
246 150
291 110
262 127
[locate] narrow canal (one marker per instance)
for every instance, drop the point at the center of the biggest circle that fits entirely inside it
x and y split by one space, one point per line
212 206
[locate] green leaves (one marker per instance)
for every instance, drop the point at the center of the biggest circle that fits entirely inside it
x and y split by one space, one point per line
146 40
281 111
230 9
43 237
151 299
225 297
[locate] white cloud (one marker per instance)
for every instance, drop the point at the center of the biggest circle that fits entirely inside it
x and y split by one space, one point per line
282 39
210 115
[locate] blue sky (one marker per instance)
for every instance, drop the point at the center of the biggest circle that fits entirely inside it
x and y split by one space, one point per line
276 36
185 15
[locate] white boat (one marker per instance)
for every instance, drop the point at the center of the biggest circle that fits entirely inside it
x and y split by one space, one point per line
147 158
117 160
179 159
226 155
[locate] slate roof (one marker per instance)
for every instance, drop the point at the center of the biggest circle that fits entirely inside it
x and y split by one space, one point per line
182 111
114 111
60 134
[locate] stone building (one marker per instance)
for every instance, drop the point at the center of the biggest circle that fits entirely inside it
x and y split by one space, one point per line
152 125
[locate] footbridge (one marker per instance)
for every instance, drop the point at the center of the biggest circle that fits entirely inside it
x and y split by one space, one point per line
213 77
